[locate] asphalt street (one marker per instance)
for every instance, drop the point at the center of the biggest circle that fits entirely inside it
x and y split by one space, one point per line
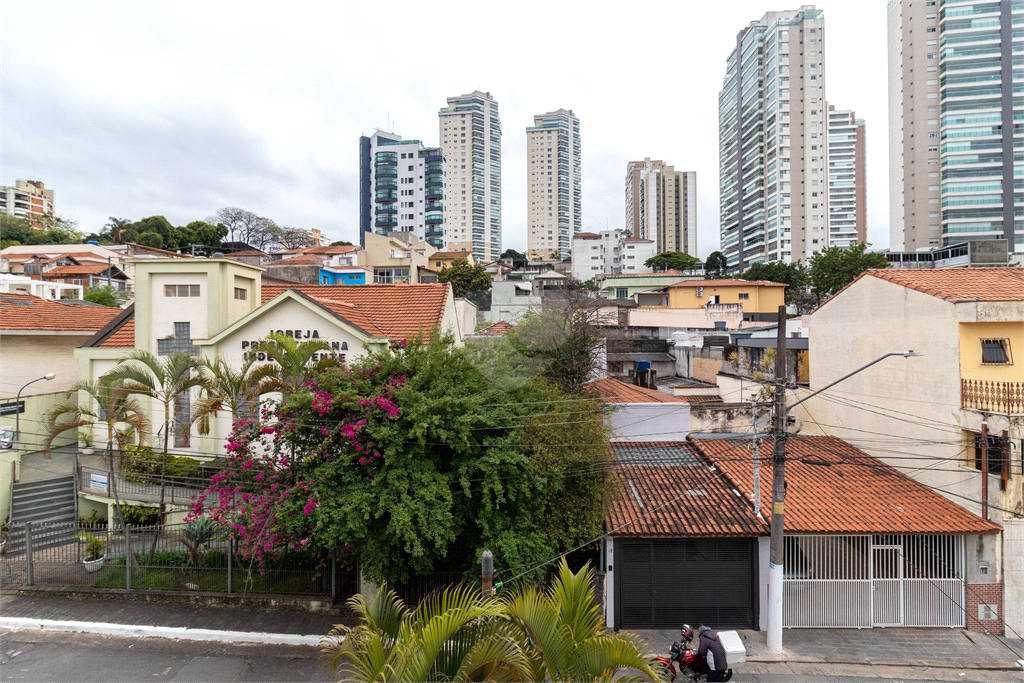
52 656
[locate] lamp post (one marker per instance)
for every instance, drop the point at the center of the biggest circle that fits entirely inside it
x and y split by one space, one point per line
775 567
17 404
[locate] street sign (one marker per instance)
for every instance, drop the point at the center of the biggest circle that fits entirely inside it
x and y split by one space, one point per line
98 481
12 407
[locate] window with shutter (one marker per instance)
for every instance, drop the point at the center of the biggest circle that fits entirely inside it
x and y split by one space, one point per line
995 351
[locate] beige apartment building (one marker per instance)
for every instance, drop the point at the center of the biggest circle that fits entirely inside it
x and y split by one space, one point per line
773 178
554 180
470 137
661 205
26 199
914 171
847 179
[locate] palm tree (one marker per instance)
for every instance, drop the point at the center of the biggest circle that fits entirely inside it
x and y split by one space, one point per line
552 635
451 636
109 404
294 359
117 228
235 391
140 372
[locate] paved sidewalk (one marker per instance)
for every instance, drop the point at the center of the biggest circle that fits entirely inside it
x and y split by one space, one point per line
941 648
166 614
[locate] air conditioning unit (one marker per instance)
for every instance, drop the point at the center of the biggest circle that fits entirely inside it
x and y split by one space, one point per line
988 612
700 292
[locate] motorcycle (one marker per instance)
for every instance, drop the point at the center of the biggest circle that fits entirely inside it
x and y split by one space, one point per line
692 666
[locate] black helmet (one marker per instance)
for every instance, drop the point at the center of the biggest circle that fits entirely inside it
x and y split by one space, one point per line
686 632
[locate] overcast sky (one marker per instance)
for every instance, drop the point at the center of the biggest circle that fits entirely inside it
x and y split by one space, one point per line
131 109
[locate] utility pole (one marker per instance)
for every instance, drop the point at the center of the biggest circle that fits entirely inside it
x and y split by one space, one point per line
109 265
757 459
984 470
486 574
775 567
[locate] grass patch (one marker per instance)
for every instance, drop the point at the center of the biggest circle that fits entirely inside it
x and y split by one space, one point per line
212 580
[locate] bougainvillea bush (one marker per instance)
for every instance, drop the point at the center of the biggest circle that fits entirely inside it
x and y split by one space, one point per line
414 459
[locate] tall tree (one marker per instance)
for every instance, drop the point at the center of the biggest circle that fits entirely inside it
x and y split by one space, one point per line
716 266
165 381
295 238
107 404
201 233
117 229
465 278
519 260
564 337
833 268
294 360
672 260
234 391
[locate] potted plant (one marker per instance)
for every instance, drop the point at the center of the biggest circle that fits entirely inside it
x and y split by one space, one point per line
93 554
85 436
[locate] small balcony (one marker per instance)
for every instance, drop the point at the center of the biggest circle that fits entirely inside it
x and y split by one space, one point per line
992 397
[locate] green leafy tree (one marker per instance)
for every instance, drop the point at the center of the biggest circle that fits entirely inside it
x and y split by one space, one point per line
41 230
672 260
415 459
716 266
465 278
202 233
519 260
13 230
151 239
564 337
533 635
104 296
295 238
833 268
341 243
163 380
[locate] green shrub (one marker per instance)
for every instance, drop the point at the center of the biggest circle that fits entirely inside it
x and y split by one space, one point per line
140 515
93 548
181 470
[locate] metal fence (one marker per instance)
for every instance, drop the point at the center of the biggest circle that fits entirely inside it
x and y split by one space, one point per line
165 558
999 397
143 487
865 581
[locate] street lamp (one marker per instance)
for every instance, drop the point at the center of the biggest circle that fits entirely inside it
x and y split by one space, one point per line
17 404
775 567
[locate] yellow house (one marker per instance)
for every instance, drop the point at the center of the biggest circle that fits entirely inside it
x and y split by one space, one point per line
441 259
759 298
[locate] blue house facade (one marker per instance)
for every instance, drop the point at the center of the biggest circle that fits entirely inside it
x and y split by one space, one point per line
342 277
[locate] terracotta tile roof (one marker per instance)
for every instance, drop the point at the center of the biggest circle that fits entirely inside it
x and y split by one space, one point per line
835 488
728 283
611 390
396 311
586 236
958 284
450 254
247 252
67 271
498 329
26 312
637 239
304 260
119 333
666 489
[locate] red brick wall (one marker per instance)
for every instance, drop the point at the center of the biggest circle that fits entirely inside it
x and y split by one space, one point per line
984 594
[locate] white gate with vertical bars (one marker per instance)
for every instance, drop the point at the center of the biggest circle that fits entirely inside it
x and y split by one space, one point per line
881 580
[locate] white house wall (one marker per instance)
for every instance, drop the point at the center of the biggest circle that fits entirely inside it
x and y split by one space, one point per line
904 411
649 421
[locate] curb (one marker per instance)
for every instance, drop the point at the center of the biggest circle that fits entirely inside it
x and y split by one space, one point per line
263 601
18 624
800 659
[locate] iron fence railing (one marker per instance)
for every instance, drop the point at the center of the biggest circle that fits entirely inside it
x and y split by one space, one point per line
140 486
996 397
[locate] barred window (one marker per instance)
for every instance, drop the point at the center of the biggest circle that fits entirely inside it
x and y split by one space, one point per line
181 290
180 341
995 351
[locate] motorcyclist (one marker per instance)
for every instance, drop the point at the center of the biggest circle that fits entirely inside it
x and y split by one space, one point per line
709 642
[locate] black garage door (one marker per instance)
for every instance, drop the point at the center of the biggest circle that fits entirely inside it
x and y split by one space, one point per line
665 583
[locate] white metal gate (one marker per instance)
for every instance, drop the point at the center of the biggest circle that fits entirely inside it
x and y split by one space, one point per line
865 581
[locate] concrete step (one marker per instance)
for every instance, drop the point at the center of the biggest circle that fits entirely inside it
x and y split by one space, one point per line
44 483
46 500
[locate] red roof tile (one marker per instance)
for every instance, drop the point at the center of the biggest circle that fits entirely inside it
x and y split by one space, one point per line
26 312
123 337
394 311
670 272
586 236
958 284
728 283
498 329
835 488
665 489
638 239
611 390
450 254
304 260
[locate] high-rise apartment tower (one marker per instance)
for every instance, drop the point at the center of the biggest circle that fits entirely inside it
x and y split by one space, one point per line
26 199
847 190
772 141
401 188
470 135
661 205
951 122
553 176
